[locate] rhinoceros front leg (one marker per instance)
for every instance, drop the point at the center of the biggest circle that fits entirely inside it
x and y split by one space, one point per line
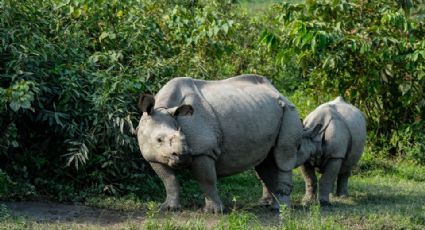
283 189
327 180
277 184
310 180
203 167
342 184
166 174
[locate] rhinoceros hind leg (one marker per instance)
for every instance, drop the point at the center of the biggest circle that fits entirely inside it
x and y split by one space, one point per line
327 180
342 184
266 172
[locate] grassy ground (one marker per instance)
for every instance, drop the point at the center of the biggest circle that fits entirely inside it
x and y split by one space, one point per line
384 195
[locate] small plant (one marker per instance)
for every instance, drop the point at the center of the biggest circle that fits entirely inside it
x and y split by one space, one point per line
239 220
234 201
152 209
284 213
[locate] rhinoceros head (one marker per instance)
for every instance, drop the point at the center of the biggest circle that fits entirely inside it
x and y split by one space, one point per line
159 135
310 144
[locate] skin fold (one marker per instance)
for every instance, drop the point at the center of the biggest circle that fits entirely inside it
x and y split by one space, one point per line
220 128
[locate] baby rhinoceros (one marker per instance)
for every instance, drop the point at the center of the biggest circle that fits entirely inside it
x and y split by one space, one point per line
333 142
219 128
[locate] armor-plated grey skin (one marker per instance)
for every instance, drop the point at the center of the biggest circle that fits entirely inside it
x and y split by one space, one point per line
219 128
333 142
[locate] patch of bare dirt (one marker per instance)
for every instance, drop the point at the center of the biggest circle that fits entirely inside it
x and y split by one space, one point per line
85 215
79 214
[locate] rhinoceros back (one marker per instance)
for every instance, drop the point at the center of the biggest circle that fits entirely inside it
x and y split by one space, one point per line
356 124
249 114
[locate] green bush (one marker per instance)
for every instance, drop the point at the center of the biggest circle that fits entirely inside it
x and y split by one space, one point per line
370 52
71 72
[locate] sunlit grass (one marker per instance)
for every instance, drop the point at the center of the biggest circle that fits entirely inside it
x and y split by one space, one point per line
388 196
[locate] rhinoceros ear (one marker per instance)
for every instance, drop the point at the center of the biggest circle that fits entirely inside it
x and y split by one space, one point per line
313 132
182 110
146 103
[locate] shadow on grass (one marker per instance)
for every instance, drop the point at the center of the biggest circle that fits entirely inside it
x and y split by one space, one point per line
375 166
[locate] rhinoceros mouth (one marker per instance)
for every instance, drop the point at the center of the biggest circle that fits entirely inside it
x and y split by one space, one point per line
179 161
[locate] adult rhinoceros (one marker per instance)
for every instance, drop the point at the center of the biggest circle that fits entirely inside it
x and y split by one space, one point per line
219 128
333 142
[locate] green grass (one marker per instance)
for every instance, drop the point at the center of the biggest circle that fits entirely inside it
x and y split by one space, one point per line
384 195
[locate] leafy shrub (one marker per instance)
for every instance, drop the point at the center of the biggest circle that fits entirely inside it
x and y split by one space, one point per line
71 72
371 52
409 142
53 94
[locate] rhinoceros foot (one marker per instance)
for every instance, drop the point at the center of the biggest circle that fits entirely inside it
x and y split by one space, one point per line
342 194
170 205
282 202
325 204
309 200
213 207
265 201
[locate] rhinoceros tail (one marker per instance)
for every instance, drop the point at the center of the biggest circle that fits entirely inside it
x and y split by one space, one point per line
339 99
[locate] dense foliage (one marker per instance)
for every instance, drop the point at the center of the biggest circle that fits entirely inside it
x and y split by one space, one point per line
71 72
371 52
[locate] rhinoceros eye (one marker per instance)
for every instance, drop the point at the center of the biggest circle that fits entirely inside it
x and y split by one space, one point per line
159 139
